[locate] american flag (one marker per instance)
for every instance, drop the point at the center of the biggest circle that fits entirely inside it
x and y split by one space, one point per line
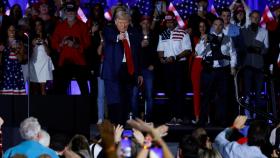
102 2
273 3
6 3
145 6
220 4
185 7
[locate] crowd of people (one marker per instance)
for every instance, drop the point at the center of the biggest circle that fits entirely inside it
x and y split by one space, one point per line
140 139
50 46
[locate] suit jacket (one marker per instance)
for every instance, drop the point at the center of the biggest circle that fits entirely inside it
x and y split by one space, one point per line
114 52
254 39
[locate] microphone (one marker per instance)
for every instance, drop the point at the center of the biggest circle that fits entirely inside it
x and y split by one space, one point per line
28 76
26 34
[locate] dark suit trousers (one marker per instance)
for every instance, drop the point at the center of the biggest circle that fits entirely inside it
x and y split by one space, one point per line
214 86
175 75
123 90
253 81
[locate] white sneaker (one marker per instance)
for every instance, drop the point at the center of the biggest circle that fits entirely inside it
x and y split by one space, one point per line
99 121
172 122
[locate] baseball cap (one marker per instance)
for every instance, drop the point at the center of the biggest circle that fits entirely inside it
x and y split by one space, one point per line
70 6
169 16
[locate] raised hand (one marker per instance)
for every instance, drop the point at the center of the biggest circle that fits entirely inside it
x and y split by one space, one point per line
239 122
118 133
163 129
138 136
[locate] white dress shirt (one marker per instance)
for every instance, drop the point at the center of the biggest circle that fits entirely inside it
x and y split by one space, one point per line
227 49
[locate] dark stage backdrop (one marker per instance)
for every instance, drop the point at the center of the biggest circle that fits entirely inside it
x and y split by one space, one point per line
56 114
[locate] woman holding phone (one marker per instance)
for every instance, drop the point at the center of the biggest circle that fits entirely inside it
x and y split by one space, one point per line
13 54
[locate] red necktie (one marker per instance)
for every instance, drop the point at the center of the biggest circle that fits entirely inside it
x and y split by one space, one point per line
128 57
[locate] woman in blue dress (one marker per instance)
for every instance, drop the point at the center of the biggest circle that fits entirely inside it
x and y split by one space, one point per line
13 53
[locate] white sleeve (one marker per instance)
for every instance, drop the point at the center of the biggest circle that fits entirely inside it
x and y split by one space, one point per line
248 21
232 51
160 47
186 43
200 47
266 43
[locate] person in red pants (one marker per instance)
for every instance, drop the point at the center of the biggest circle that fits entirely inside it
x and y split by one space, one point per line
197 67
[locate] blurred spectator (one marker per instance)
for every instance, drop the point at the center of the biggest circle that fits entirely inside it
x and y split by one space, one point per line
108 142
240 13
196 68
274 138
188 147
173 47
50 23
79 144
41 64
148 57
29 131
70 39
15 14
4 21
13 54
202 14
219 61
59 144
255 46
94 58
44 138
257 135
96 144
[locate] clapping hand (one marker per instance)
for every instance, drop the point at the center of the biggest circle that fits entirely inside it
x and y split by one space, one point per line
140 125
138 136
239 122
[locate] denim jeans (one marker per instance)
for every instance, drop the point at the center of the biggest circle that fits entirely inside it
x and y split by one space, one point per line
100 98
148 77
148 87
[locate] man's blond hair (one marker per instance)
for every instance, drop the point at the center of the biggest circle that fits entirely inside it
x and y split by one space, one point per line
122 15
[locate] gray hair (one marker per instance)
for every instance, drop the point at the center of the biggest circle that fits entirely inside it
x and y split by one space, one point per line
29 128
44 138
123 15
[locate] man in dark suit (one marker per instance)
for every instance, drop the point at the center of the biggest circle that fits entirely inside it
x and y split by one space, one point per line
121 67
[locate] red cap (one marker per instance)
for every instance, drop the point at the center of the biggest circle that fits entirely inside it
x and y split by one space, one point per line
42 2
240 9
145 17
